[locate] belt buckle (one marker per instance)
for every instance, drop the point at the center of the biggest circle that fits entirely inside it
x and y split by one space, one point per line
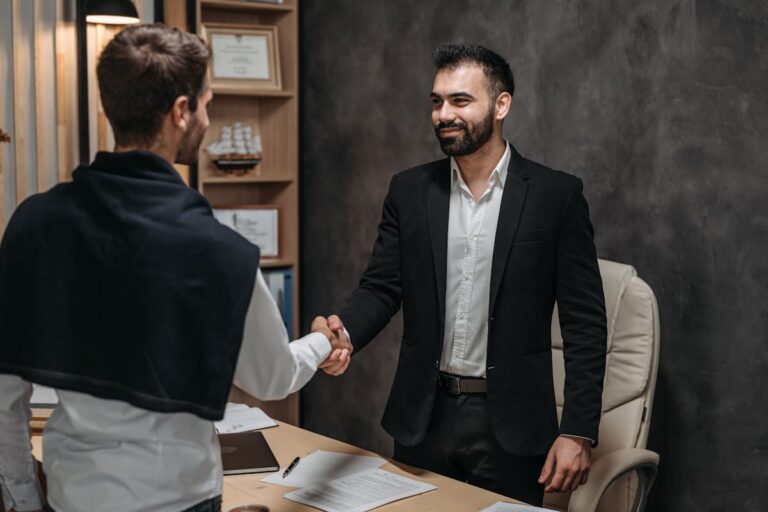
455 385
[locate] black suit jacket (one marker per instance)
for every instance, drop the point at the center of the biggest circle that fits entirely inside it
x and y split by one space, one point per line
543 252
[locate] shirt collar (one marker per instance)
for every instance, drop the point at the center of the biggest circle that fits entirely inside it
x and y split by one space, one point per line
499 174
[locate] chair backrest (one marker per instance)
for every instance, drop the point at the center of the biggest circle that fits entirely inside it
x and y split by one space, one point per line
630 373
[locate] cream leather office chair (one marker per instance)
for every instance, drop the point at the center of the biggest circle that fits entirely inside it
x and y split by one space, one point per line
622 469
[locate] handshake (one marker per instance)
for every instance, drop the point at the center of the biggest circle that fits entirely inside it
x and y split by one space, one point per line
338 360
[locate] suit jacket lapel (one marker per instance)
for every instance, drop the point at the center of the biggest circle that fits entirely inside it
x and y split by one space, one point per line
512 202
438 201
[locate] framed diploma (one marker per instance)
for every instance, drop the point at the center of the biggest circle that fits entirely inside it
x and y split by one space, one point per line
243 58
257 224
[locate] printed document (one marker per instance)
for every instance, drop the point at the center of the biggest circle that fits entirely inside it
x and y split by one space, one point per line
322 466
241 418
360 492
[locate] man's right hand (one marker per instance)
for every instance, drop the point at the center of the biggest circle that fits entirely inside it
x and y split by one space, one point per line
341 354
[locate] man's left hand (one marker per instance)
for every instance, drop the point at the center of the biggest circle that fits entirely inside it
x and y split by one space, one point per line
567 464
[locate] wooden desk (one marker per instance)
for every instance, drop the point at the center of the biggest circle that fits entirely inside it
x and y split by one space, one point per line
288 442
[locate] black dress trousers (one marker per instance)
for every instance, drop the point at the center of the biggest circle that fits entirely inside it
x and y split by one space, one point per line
460 444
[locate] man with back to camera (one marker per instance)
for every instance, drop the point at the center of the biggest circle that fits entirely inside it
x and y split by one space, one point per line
122 291
478 247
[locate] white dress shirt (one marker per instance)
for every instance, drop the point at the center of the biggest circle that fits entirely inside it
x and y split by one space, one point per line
107 455
471 237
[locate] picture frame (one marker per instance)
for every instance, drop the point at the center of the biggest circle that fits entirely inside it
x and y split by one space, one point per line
244 58
260 225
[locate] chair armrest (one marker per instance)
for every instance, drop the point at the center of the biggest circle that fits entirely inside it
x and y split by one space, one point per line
610 467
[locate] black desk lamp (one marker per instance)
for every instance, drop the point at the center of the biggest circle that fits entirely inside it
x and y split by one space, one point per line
111 12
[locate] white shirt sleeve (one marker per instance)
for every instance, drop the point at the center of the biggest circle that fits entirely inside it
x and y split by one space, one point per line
18 479
579 437
269 367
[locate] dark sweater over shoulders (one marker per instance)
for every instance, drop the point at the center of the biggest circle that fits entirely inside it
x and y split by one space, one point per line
123 285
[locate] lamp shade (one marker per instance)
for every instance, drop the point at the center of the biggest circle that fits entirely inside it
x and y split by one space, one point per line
111 12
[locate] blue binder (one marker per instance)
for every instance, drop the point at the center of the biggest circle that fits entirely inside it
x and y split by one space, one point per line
280 283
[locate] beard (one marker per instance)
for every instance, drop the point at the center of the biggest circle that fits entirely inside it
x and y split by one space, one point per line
189 148
474 136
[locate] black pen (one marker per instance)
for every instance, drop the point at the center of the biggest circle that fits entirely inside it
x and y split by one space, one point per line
290 467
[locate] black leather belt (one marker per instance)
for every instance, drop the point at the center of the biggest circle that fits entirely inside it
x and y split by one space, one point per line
456 385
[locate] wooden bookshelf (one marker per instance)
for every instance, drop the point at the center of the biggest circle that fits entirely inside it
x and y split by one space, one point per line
274 116
247 6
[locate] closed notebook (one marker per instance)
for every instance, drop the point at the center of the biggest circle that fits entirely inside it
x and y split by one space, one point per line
246 452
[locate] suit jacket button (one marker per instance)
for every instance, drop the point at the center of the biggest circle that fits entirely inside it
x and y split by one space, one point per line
437 364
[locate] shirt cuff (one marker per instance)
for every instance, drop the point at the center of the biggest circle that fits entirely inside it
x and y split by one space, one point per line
315 345
592 441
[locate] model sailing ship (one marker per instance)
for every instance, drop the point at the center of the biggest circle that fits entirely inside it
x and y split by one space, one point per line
237 150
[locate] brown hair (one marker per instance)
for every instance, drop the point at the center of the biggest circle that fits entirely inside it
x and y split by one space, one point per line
141 73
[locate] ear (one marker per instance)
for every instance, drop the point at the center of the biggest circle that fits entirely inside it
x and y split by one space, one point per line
503 104
180 112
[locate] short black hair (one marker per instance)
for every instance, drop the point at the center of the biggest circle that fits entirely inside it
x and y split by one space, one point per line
496 69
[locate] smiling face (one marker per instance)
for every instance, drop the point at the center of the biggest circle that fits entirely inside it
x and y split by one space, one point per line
463 113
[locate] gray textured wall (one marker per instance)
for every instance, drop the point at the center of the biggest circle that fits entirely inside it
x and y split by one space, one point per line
661 106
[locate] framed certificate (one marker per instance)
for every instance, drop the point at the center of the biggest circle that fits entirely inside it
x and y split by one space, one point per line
257 224
243 58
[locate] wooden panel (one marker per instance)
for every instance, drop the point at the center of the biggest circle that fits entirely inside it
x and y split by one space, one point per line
175 12
279 126
6 103
40 138
44 91
287 27
66 93
108 142
41 70
19 103
101 118
101 135
3 142
248 194
93 131
245 6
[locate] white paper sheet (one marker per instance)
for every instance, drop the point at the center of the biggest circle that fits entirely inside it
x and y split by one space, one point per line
241 418
42 395
234 406
322 466
359 492
501 506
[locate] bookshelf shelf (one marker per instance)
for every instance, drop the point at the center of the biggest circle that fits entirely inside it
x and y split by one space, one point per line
248 6
219 90
244 180
275 263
